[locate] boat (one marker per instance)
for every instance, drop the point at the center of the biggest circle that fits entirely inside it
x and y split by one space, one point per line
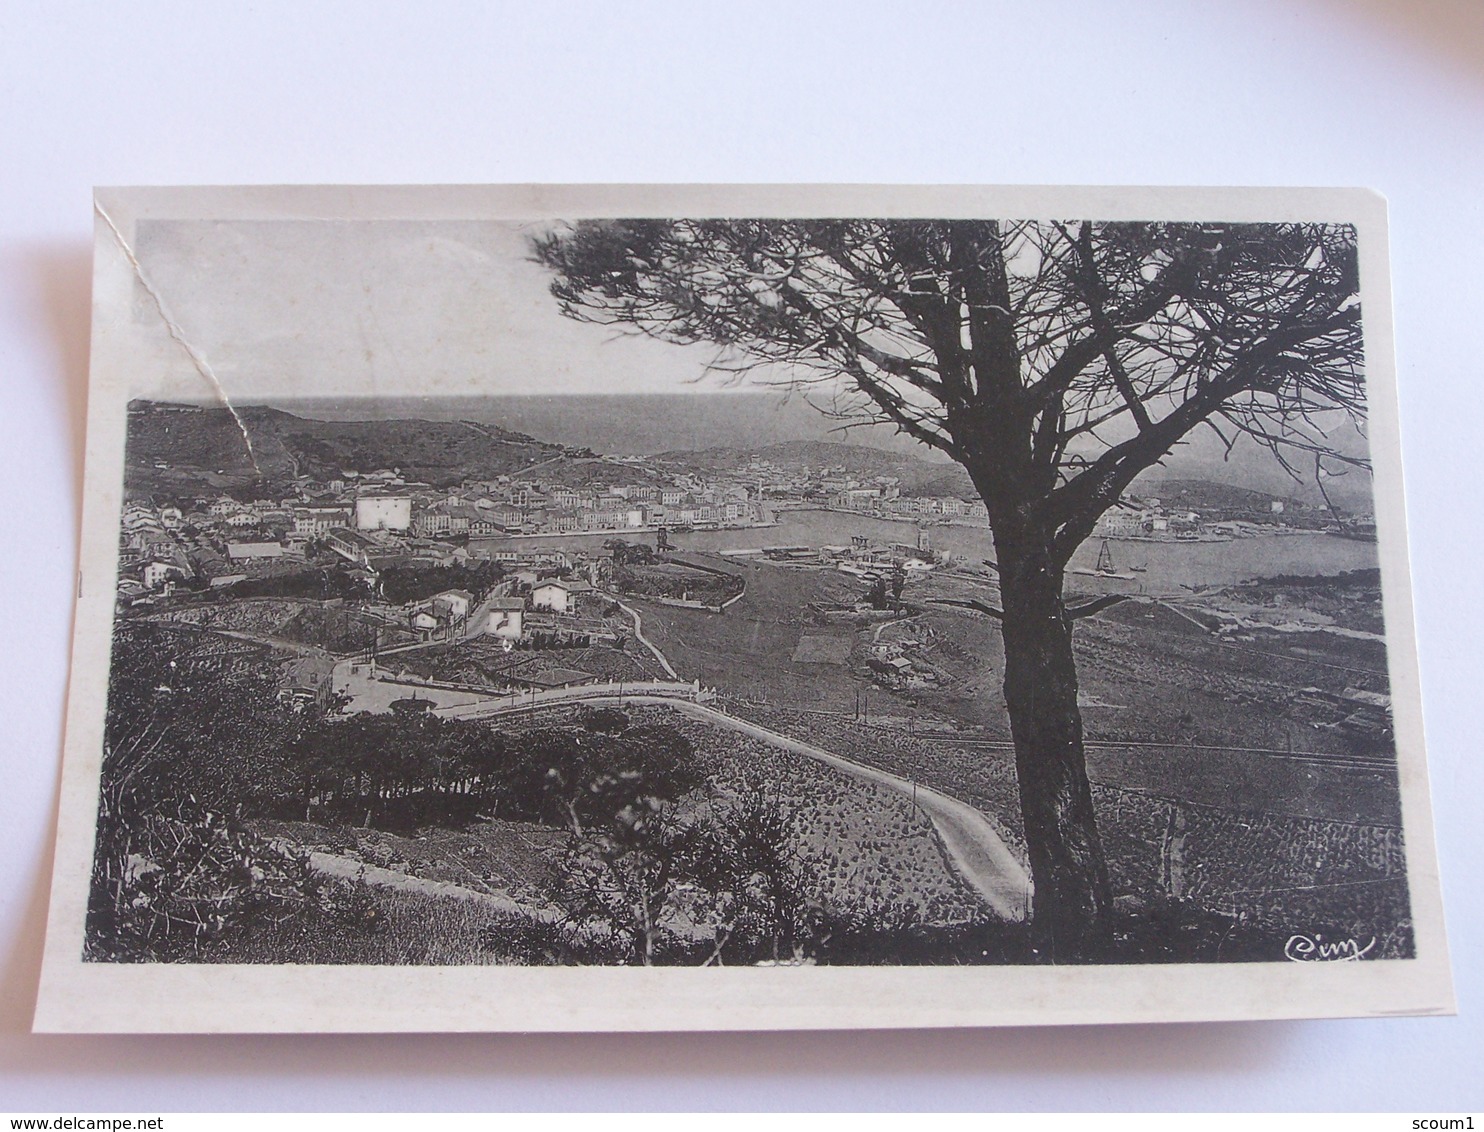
1104 567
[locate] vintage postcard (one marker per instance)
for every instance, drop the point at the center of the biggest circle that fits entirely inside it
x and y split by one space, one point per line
643 607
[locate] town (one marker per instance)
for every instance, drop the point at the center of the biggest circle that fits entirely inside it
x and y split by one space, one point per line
375 518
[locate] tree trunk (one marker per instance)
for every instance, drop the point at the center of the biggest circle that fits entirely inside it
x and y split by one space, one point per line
1072 897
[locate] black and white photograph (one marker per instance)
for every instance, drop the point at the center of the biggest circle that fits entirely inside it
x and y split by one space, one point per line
1016 588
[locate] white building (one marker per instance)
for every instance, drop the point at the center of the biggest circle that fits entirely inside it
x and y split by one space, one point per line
554 595
383 512
316 521
1120 522
155 574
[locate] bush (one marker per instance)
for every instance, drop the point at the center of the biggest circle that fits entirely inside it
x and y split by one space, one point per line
169 883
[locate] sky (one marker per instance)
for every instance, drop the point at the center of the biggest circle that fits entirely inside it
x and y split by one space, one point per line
385 308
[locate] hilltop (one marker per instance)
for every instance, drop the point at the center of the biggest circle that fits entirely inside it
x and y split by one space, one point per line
188 445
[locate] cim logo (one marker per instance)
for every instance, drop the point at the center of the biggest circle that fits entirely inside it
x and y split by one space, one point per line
1316 949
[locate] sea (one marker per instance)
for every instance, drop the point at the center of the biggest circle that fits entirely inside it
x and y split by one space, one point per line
1159 569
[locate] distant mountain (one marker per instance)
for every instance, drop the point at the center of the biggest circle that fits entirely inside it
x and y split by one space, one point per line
624 424
181 446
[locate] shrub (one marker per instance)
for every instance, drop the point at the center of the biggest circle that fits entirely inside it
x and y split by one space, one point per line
168 883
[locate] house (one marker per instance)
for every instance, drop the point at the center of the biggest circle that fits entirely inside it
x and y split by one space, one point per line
605 519
314 521
155 574
508 515
446 519
506 618
138 515
557 594
459 602
433 617
1120 522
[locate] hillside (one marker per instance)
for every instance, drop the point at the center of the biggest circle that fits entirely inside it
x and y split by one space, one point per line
1204 495
187 446
918 477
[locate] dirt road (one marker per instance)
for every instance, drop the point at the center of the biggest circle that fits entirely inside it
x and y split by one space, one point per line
973 846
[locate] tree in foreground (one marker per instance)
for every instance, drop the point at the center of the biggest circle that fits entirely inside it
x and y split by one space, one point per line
1054 361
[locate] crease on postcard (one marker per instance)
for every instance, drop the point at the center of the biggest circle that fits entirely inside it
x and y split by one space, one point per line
198 360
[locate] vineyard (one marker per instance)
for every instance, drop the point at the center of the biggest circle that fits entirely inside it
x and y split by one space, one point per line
986 779
1271 872
862 845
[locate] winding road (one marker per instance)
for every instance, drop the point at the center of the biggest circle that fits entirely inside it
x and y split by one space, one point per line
972 844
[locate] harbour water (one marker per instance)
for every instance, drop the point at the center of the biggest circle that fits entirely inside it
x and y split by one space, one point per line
1167 567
